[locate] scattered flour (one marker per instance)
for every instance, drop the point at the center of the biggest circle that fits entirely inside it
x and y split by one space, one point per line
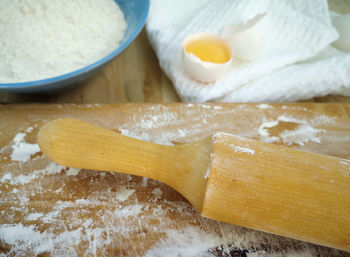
323 120
24 236
34 216
345 162
110 211
131 210
189 242
207 173
265 106
22 179
157 192
241 149
124 194
22 151
28 237
72 172
303 133
264 133
6 177
173 128
73 33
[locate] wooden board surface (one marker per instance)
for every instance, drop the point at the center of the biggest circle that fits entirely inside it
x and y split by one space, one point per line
49 210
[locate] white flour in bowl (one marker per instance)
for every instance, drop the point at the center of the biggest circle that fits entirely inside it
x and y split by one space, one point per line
41 39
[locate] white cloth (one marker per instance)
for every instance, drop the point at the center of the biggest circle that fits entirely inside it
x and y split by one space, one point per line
298 63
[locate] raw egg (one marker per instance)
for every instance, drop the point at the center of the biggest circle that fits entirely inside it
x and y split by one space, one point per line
206 56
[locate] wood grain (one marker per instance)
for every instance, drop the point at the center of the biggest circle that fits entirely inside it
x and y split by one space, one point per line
279 190
111 214
78 144
225 177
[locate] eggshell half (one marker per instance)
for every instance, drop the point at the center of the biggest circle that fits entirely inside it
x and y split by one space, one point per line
247 40
342 24
200 70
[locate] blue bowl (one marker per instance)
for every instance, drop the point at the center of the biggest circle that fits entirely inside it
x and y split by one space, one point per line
135 12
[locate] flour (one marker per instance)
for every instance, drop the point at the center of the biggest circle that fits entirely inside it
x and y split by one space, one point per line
265 106
264 134
323 120
22 151
241 149
345 162
140 128
34 216
72 172
303 133
124 194
22 179
6 177
130 210
207 173
189 242
42 39
22 236
93 212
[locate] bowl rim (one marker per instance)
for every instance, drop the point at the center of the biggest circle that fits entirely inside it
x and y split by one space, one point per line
66 76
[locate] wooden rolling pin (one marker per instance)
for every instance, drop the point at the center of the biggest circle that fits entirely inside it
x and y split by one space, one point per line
275 189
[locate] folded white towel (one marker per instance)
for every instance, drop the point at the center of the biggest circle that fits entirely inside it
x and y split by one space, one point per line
298 61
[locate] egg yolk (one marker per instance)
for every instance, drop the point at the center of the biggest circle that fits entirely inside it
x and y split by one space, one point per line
209 50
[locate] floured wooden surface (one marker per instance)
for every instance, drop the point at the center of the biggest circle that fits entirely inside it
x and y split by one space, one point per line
50 210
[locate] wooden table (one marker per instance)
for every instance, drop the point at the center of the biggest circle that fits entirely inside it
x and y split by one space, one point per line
135 76
51 210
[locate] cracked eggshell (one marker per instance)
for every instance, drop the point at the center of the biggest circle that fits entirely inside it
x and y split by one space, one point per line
247 40
200 70
342 24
